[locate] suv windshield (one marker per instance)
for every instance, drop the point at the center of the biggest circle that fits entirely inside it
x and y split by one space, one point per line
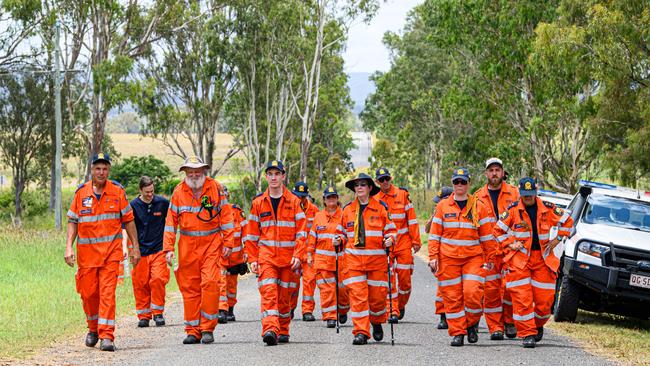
617 211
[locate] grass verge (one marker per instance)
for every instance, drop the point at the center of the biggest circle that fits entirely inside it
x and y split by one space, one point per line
38 301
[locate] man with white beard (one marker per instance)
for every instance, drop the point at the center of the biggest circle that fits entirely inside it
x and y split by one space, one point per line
199 206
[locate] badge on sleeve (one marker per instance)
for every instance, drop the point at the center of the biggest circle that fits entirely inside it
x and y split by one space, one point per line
558 211
504 215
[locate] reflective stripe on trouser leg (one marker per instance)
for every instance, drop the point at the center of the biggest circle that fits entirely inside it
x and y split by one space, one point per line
359 307
276 285
295 292
141 290
395 294
87 283
308 288
223 292
377 292
493 301
344 299
158 280
404 271
107 284
327 294
231 289
543 286
522 302
473 285
440 305
451 289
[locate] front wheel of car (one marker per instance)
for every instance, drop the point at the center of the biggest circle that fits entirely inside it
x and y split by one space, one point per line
566 308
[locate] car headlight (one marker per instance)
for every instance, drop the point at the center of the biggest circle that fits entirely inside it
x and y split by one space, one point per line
593 249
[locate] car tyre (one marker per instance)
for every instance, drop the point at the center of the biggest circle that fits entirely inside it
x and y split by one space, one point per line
566 308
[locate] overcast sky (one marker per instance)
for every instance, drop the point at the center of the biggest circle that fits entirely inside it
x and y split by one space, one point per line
365 52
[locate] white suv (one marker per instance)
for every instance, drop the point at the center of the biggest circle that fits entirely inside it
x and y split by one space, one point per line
606 261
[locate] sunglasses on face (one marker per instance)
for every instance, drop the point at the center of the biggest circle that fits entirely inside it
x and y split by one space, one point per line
383 179
459 182
361 184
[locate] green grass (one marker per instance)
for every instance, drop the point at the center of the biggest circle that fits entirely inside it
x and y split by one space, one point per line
38 301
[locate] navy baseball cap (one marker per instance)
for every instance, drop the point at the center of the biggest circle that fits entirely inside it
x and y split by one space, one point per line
330 191
381 173
101 158
527 187
275 164
461 173
443 193
300 189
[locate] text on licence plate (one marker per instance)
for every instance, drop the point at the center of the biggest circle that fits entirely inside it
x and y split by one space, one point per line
639 281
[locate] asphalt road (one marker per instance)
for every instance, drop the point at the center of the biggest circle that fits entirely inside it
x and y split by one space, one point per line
416 341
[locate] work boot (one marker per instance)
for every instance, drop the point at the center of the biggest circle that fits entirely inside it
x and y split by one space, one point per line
401 314
283 338
91 339
511 331
308 317
143 323
529 342
107 345
190 339
331 323
270 338
393 319
360 339
496 336
443 322
207 337
343 318
472 334
458 341
231 314
540 334
377 332
160 321
222 317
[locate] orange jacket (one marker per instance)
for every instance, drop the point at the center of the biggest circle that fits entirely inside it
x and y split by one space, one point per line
454 235
508 195
237 255
403 215
99 223
377 225
319 245
515 225
310 211
197 237
275 238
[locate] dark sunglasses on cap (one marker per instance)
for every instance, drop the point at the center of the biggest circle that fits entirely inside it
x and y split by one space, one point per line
459 182
361 184
383 179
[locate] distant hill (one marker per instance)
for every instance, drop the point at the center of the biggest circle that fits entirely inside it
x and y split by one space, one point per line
360 88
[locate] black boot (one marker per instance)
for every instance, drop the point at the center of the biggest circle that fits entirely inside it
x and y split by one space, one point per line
511 331
283 338
107 345
270 338
393 319
190 339
331 323
91 339
472 334
540 334
343 318
458 341
143 323
222 317
401 314
496 336
207 337
443 322
159 320
360 339
231 314
377 332
529 342
308 317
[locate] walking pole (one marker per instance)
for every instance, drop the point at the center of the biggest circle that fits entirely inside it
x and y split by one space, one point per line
390 298
336 279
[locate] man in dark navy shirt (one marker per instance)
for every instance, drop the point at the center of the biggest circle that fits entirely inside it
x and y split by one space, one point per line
151 275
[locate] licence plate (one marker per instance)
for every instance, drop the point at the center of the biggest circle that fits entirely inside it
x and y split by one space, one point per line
639 281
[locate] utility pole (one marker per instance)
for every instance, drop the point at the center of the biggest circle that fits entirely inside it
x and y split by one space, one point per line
58 127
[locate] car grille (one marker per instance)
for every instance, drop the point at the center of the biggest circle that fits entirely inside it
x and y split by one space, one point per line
625 257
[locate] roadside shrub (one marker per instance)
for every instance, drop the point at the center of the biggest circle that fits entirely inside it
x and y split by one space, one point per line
129 172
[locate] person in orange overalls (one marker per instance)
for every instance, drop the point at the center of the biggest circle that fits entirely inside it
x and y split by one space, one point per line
151 275
369 233
460 247
532 258
199 208
444 192
497 195
233 266
274 239
95 218
322 255
408 239
301 190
